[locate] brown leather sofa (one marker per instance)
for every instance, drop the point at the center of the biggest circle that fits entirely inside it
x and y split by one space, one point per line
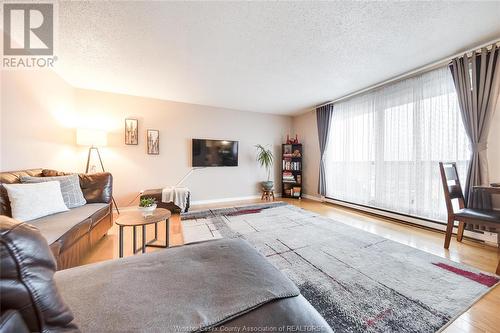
70 234
147 293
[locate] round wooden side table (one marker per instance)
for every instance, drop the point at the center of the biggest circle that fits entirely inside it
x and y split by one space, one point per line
136 219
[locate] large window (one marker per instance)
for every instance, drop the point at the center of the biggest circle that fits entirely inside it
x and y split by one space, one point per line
385 145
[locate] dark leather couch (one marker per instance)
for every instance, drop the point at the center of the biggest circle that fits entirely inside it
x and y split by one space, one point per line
70 234
35 298
27 287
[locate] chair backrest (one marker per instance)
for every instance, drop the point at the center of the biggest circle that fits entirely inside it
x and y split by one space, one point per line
451 185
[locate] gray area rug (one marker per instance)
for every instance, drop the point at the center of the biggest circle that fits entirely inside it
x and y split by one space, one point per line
358 281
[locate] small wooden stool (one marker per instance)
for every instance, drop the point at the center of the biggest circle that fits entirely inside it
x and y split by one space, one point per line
267 195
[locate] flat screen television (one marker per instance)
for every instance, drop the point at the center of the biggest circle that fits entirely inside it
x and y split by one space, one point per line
214 153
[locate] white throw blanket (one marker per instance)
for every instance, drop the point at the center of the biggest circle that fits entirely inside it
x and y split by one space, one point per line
176 194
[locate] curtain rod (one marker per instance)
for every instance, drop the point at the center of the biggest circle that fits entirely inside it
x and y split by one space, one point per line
409 74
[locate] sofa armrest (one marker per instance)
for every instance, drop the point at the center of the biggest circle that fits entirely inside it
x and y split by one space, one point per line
12 322
97 187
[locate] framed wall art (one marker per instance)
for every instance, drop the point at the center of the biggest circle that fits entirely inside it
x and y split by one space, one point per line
131 132
153 139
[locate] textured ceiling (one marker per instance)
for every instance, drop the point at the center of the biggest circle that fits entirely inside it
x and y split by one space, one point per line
274 57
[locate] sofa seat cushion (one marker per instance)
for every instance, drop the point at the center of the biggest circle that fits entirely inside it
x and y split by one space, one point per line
296 313
480 214
79 220
195 286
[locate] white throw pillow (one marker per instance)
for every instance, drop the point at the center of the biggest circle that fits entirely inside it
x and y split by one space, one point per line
31 201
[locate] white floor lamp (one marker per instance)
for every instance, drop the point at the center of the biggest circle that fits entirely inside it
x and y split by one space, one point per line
93 139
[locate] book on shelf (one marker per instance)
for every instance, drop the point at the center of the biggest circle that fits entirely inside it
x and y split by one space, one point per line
287 150
292 166
288 177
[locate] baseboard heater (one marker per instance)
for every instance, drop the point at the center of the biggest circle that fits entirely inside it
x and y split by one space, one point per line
491 238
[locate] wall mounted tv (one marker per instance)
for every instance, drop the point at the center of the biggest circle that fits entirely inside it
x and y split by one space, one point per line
214 153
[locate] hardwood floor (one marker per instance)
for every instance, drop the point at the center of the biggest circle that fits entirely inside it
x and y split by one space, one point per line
484 316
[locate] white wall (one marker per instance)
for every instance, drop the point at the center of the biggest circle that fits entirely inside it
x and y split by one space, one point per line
40 113
32 133
178 123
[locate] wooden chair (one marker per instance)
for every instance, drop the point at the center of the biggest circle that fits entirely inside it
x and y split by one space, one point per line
453 190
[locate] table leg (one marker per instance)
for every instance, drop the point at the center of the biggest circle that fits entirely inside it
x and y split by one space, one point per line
120 249
167 237
134 239
143 239
156 231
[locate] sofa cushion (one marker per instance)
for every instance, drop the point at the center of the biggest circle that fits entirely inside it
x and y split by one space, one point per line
27 269
296 313
12 177
96 187
70 188
12 322
31 201
80 219
195 286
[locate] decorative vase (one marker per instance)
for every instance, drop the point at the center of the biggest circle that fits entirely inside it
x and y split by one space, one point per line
147 211
267 185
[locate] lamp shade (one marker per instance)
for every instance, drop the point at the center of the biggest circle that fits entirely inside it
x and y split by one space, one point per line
91 137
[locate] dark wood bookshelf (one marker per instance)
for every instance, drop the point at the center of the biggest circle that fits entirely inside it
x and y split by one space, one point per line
291 171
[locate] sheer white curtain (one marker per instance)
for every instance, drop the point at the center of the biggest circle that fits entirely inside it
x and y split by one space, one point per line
385 145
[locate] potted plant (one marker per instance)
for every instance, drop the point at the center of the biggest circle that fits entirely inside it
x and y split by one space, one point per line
265 158
147 206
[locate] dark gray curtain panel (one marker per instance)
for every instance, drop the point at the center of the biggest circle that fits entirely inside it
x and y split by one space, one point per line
477 82
323 119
